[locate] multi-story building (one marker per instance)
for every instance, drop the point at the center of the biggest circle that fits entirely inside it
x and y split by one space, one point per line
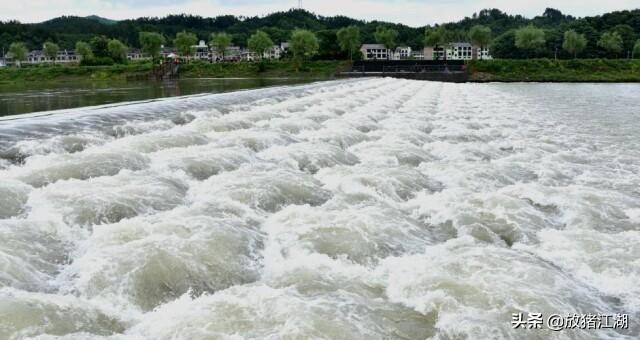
135 54
202 51
275 52
374 52
63 56
402 53
456 51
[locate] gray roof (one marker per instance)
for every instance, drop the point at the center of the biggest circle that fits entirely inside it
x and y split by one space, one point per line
460 44
372 46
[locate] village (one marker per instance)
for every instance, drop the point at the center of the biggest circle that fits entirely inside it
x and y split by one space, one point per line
207 53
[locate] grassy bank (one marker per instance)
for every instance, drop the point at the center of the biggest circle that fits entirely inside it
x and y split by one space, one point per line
549 70
289 69
71 72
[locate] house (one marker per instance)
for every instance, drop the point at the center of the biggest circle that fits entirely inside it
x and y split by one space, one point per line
63 56
456 51
135 54
233 53
402 53
202 51
374 52
275 52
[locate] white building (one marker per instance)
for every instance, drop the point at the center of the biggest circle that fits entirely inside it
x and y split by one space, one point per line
275 52
136 54
202 51
402 53
63 56
374 52
456 51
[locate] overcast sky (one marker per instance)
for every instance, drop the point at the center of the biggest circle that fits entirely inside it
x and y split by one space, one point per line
410 12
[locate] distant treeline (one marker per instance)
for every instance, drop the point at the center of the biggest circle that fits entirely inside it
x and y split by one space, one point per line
66 31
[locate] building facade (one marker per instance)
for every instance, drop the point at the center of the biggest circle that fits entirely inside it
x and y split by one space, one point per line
374 52
456 51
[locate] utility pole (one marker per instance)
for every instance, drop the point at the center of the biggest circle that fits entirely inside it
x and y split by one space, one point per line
299 4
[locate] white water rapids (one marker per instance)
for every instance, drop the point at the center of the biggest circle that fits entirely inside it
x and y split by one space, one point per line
354 209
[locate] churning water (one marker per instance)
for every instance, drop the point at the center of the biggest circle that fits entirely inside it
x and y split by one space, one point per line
356 209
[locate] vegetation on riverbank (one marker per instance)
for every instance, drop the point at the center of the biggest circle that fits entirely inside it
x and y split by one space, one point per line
70 72
288 69
549 70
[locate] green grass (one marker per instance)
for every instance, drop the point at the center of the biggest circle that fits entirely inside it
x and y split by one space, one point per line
578 70
287 68
64 72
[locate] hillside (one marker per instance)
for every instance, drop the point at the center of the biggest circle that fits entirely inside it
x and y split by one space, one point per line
68 29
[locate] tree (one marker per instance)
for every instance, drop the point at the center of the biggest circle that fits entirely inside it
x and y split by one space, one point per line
480 35
220 42
259 43
51 50
18 51
117 50
184 43
436 38
529 38
387 37
573 42
349 39
84 49
100 46
636 50
303 44
151 43
611 41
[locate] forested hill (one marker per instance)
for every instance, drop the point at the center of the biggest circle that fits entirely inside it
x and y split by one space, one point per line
67 30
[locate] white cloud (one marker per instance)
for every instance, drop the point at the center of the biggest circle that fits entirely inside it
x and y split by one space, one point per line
411 12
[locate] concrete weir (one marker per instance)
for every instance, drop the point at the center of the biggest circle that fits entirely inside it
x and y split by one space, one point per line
435 70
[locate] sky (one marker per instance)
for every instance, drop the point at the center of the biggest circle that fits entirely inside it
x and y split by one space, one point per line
411 12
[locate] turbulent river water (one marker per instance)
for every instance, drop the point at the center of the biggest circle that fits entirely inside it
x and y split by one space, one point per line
353 209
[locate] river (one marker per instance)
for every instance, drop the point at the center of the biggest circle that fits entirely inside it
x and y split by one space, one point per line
352 209
17 98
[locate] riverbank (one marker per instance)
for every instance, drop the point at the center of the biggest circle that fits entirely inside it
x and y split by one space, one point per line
271 69
549 70
499 70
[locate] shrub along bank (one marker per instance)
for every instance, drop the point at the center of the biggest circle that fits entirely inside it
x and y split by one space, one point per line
550 70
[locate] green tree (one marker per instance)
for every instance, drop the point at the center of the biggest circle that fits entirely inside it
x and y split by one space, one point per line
636 50
529 38
220 42
259 43
349 39
117 50
387 37
436 38
303 44
573 42
184 43
18 51
480 35
151 43
611 41
84 49
51 50
100 46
